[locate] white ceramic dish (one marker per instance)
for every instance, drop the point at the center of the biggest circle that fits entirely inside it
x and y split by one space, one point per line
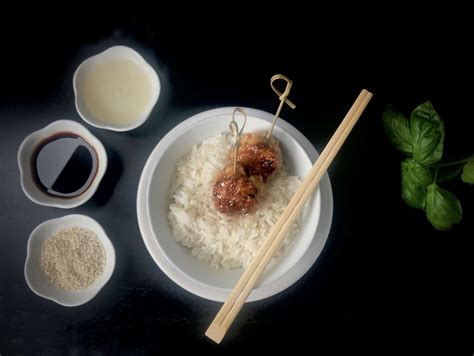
25 155
114 53
184 269
35 277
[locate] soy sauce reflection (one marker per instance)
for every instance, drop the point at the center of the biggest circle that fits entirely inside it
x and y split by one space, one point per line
64 165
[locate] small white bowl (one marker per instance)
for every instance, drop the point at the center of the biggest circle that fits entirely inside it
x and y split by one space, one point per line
116 52
38 282
176 261
25 156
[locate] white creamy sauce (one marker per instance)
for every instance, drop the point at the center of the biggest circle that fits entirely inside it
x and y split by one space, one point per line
116 91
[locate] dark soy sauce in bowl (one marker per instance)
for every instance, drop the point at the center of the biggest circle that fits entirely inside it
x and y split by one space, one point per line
64 165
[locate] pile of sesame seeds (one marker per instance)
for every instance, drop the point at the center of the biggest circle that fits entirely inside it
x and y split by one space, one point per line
72 258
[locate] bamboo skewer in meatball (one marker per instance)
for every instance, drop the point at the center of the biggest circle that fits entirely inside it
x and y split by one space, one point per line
256 157
260 154
234 191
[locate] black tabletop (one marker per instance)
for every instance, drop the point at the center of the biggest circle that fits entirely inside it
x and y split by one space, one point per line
385 275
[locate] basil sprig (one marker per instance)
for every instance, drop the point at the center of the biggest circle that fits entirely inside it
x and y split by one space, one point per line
421 139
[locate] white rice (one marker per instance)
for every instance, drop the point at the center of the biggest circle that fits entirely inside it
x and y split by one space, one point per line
222 240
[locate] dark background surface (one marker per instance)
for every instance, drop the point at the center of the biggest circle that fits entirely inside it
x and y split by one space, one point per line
385 277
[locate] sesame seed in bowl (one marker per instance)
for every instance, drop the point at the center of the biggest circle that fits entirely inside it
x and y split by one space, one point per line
69 259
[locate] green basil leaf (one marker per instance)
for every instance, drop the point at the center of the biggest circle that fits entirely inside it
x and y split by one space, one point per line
448 173
416 172
443 209
427 134
468 173
397 128
415 179
413 195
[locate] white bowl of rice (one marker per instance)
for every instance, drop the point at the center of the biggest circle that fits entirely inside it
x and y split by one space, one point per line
201 249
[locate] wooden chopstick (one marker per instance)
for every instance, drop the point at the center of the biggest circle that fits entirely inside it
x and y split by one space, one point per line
249 278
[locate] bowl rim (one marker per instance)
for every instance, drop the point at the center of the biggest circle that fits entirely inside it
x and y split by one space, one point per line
23 160
216 293
118 51
102 236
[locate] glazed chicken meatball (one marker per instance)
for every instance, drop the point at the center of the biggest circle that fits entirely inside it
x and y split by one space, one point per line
236 192
259 156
